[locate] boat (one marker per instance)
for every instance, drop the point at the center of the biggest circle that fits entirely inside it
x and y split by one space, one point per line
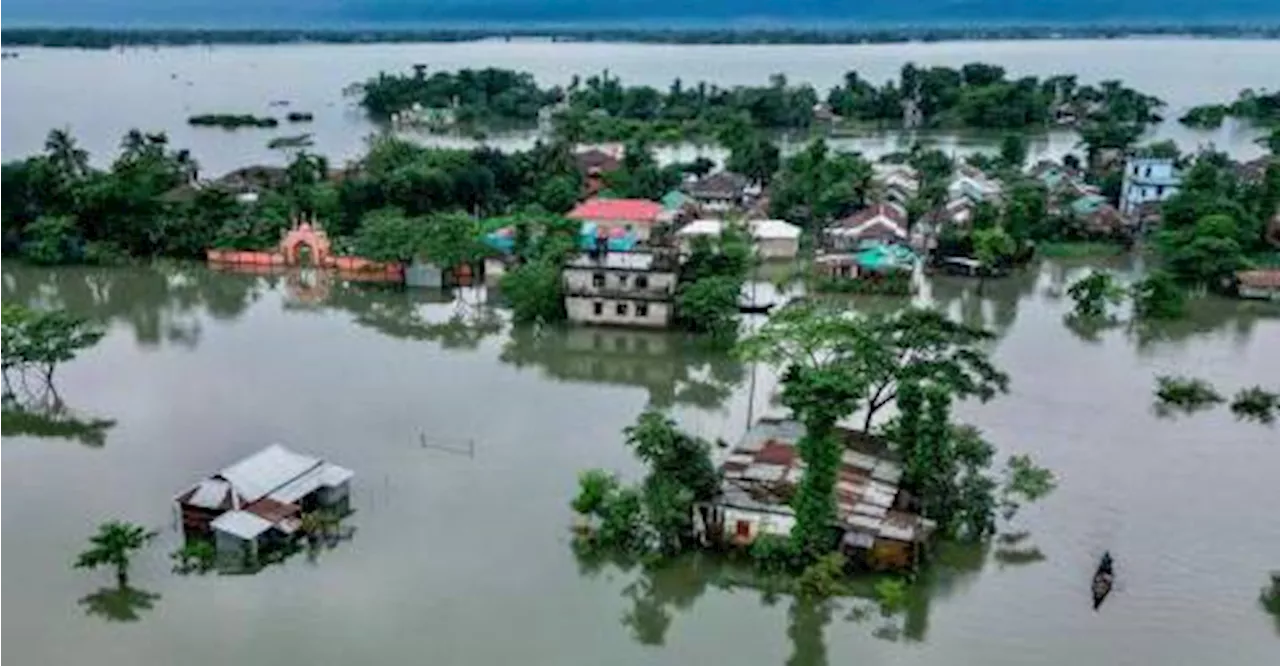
1103 579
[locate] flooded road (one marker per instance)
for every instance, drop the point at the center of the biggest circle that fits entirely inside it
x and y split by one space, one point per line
465 559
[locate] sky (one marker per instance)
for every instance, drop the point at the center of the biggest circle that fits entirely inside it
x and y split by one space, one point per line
703 13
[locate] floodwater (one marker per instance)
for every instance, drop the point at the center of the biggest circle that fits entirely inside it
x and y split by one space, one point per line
466 439
102 94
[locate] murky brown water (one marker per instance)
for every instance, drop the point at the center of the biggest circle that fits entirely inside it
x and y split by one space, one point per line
102 94
465 560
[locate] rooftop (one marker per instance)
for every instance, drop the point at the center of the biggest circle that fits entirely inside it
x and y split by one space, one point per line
625 210
720 185
762 472
267 470
620 261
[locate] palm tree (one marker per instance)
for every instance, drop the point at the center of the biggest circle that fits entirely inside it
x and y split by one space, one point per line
113 545
69 159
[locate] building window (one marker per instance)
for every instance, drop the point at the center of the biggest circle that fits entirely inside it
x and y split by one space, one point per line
1147 172
642 282
597 280
622 280
1159 191
642 309
622 309
742 529
598 308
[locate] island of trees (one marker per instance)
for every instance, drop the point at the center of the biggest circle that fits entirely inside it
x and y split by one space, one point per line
232 120
602 107
1259 108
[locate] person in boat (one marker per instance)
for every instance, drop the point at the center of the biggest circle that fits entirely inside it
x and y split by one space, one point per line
1102 580
1104 567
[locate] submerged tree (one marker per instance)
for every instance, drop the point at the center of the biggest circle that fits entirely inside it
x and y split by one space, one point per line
1256 404
39 340
114 545
1185 394
1093 294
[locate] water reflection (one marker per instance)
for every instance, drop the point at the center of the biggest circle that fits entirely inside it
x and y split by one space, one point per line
673 368
38 411
163 303
119 604
657 593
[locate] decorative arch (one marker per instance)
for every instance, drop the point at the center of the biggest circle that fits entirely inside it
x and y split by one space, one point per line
309 235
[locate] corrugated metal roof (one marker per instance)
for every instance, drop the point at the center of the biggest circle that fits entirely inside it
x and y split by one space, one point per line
240 524
209 494
628 210
326 474
266 471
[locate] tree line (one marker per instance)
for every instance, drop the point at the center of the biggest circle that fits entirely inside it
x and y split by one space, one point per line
103 38
602 107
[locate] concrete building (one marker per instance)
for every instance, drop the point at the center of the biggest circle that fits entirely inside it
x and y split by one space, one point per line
878 223
1147 180
636 216
722 191
635 289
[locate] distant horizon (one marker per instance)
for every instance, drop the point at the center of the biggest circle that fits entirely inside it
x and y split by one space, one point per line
828 15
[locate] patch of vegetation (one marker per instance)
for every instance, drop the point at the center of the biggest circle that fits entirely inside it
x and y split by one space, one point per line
891 593
232 121
891 284
294 141
195 556
1206 116
1185 394
1256 404
299 117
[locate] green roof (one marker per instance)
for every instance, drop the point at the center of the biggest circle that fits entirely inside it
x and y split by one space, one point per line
1088 204
675 199
881 256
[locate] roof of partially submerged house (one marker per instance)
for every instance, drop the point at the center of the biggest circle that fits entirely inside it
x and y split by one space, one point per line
241 524
762 472
719 185
594 159
626 210
774 230
885 215
275 473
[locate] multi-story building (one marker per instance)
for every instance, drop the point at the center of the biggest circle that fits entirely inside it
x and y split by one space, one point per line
1146 180
620 289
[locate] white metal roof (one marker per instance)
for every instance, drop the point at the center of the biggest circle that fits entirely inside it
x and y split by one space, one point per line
774 230
266 471
702 228
324 474
241 524
635 261
209 494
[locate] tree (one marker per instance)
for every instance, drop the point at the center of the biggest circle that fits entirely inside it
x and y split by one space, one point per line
114 545
452 239
535 292
709 305
1207 254
753 156
1013 151
1093 294
41 339
50 240
923 346
1158 296
820 385
388 235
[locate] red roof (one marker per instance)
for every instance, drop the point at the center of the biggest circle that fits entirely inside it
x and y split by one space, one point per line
624 210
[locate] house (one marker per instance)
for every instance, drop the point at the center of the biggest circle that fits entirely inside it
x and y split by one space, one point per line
630 215
1097 216
1259 284
720 192
775 239
261 499
1146 180
771 239
760 476
899 183
882 222
871 260
974 185
635 289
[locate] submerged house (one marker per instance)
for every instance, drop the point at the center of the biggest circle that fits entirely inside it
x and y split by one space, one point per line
636 216
761 474
261 499
631 289
1148 180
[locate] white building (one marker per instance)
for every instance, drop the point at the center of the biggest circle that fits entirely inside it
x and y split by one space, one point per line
1147 179
620 289
771 239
